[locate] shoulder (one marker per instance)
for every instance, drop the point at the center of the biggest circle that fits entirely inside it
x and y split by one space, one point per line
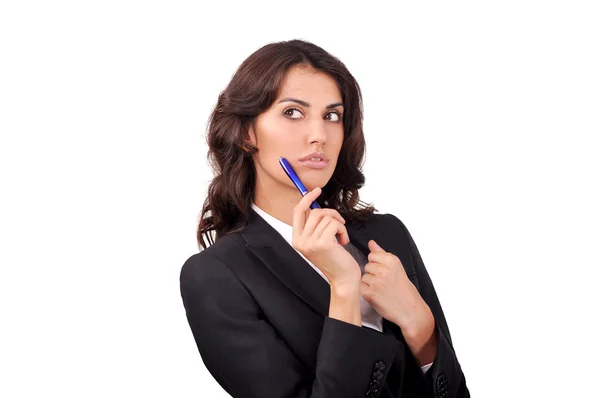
387 221
391 230
209 284
211 291
211 263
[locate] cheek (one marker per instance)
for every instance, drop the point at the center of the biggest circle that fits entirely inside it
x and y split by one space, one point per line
337 140
340 138
273 143
278 144
275 134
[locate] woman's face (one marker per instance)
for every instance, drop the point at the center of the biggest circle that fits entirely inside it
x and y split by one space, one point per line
306 117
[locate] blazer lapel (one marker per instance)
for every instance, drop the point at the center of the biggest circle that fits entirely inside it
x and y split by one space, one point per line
288 266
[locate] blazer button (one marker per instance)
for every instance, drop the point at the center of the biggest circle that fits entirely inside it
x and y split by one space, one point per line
441 386
376 378
379 365
373 389
441 380
377 375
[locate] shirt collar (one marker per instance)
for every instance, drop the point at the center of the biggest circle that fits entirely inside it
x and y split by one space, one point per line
286 231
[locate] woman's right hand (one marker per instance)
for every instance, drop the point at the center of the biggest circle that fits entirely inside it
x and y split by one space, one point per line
314 235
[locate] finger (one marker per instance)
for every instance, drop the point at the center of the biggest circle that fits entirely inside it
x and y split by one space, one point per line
335 214
344 239
313 219
368 279
342 235
371 268
374 247
336 229
316 216
322 226
377 257
300 211
308 198
329 212
365 290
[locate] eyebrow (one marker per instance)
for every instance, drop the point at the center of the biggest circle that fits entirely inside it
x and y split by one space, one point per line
304 103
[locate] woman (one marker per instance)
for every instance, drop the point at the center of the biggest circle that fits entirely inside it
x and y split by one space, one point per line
293 302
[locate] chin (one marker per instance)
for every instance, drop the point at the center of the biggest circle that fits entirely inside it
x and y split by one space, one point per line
310 180
312 183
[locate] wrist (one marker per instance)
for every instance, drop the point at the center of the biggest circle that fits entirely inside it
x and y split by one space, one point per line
347 287
423 345
418 333
413 321
421 338
344 304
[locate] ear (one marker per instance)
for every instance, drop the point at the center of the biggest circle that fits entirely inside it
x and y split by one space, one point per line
250 136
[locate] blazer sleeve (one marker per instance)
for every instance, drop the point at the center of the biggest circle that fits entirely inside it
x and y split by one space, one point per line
445 377
247 358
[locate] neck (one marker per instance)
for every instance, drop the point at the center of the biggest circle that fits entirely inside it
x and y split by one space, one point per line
277 199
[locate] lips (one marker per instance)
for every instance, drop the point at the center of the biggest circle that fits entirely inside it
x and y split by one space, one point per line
318 155
314 164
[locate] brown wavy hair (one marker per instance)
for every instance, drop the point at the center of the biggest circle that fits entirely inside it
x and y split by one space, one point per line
252 90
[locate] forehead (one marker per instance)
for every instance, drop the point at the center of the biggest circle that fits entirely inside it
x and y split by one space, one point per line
305 83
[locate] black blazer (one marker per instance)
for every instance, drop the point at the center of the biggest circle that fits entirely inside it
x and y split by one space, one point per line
259 315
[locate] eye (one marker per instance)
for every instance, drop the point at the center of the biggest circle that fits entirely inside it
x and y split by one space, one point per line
290 111
336 118
294 113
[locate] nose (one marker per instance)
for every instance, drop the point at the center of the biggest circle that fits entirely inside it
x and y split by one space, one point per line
317 133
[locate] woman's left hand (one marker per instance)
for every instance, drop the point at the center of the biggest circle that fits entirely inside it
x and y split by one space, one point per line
387 288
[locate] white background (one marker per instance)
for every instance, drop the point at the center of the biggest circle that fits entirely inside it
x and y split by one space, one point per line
481 122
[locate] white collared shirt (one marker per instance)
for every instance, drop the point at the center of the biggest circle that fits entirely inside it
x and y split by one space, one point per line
370 317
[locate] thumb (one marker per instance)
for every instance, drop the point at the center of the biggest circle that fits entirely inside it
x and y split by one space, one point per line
374 247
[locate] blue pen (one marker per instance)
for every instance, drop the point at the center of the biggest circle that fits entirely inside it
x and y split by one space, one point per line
287 167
